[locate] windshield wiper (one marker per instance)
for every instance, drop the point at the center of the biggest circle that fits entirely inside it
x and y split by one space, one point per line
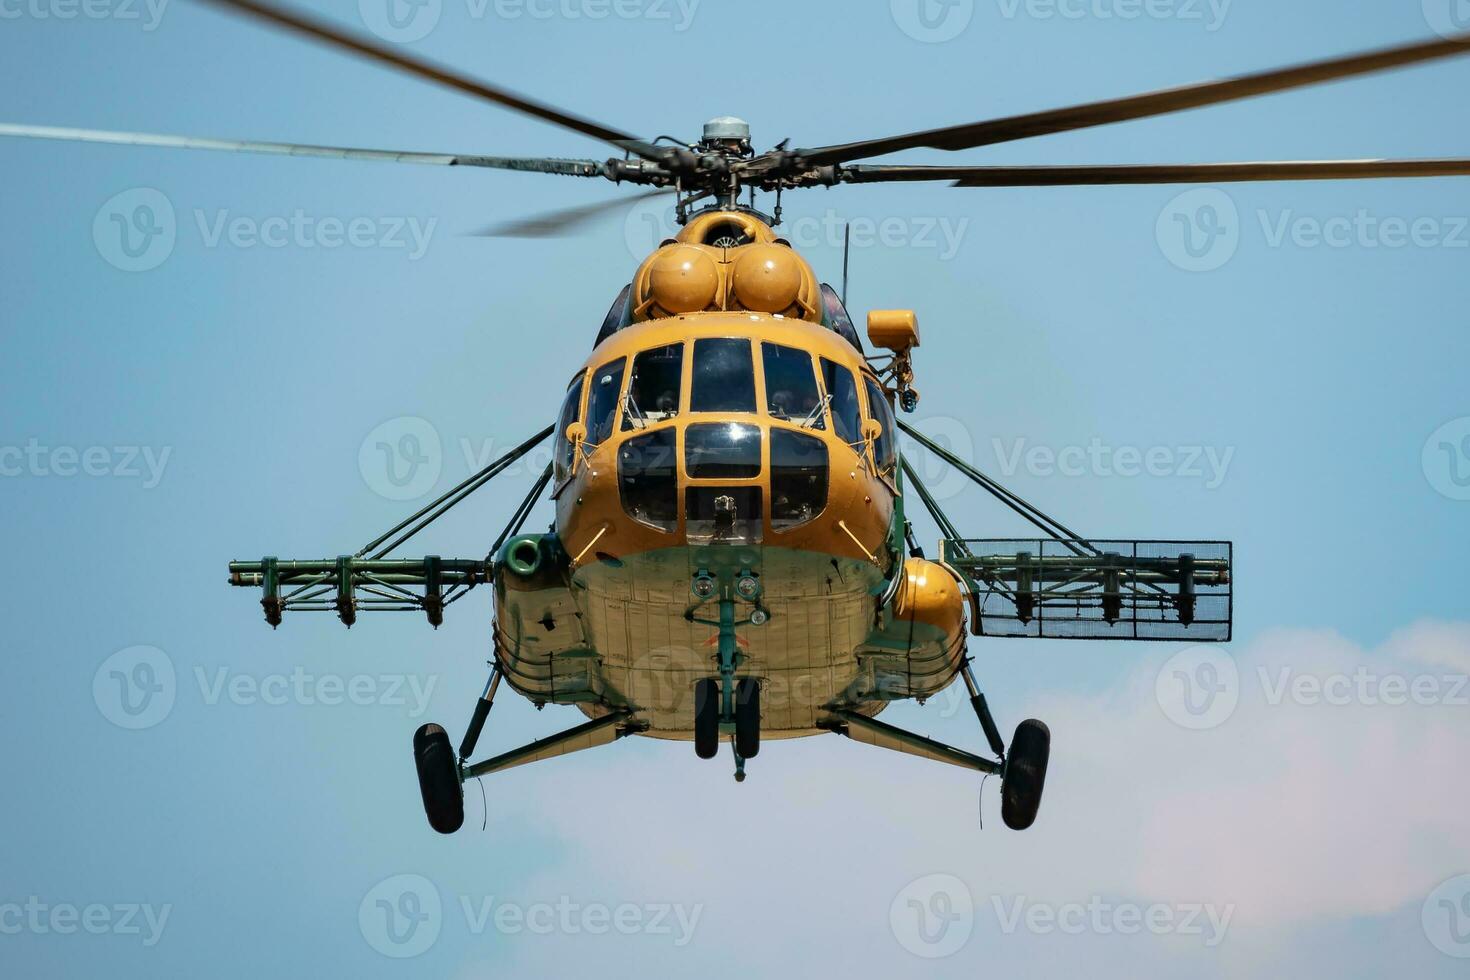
815 415
634 412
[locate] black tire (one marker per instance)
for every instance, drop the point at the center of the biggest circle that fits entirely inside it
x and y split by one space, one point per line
748 717
439 779
1025 774
707 718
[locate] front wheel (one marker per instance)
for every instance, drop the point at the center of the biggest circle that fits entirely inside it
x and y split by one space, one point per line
1025 774
439 779
707 718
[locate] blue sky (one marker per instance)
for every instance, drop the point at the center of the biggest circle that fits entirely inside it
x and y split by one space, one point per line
1296 395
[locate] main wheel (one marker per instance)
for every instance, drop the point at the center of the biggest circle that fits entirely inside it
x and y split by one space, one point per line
1025 774
748 717
707 718
439 779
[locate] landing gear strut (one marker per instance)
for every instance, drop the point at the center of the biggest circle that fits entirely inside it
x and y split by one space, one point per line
442 774
725 705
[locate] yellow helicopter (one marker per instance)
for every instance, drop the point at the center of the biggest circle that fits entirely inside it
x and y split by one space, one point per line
731 556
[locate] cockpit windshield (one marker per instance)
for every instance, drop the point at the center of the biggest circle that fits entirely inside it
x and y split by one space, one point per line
653 390
791 386
724 376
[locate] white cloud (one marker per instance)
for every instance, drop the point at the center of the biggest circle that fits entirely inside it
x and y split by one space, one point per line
1297 814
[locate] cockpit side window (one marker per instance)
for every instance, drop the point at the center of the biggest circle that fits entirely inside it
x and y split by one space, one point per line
602 403
618 316
724 376
834 315
654 388
791 386
571 411
847 418
883 449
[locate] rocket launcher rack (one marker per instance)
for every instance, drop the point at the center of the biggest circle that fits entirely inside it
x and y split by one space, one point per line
349 585
370 581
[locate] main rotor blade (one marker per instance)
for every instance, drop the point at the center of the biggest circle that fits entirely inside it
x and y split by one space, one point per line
548 224
1182 173
321 30
548 165
1142 106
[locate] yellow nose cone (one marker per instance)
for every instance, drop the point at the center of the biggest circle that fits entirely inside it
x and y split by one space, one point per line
683 279
767 278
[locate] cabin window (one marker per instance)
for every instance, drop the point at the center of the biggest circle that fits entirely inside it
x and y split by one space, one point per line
602 403
884 452
791 386
653 390
571 411
722 451
724 376
847 418
722 515
648 479
798 478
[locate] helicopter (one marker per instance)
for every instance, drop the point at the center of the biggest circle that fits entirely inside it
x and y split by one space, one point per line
732 557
